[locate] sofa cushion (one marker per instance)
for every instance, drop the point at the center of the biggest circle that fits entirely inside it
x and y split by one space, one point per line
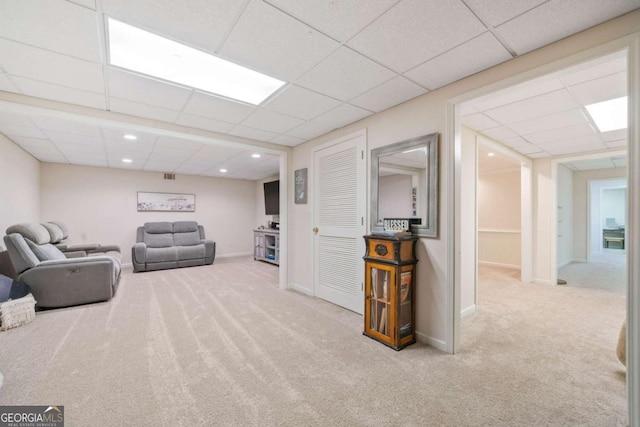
191 252
55 232
162 254
185 226
63 228
186 239
32 231
158 240
158 227
46 252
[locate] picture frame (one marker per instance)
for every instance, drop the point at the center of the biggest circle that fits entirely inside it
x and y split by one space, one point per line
300 189
166 202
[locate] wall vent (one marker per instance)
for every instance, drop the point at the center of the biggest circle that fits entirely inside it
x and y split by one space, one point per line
171 176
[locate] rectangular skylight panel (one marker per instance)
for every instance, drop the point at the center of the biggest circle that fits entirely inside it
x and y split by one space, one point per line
609 115
147 53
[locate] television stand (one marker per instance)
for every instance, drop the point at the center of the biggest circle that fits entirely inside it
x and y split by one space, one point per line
266 245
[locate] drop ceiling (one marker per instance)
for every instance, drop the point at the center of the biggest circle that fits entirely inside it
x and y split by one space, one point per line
343 60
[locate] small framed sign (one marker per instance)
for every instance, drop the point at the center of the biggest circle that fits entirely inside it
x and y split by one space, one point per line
399 224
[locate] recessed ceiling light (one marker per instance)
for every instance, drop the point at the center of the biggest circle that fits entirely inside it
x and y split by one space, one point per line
130 137
127 160
491 154
609 115
223 170
147 53
255 155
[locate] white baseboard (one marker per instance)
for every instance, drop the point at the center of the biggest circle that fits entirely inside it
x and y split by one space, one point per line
541 281
433 342
234 255
300 289
564 264
498 264
577 260
468 311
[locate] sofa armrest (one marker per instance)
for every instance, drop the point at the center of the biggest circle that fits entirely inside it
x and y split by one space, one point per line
105 248
61 283
80 247
75 254
139 253
209 250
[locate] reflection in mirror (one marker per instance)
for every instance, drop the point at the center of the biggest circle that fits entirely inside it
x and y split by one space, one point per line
404 183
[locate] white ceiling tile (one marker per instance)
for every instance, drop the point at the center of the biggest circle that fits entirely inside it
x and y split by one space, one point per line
388 94
341 116
467 108
602 89
139 159
614 135
309 130
146 90
272 122
479 122
15 120
205 105
117 134
616 144
37 64
80 149
275 43
581 130
561 151
468 58
164 167
6 84
593 69
12 131
138 153
55 25
210 152
549 122
204 123
66 126
71 138
540 105
299 102
141 110
538 155
520 92
164 154
290 141
571 142
495 13
48 155
86 3
548 22
345 74
339 19
32 143
499 133
60 93
415 31
514 141
251 133
180 144
191 170
526 149
83 161
200 23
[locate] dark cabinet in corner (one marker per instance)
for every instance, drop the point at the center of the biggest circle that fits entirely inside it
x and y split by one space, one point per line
266 246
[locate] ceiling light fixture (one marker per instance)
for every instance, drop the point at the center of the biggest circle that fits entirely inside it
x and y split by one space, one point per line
127 160
491 154
609 115
130 137
255 156
147 53
223 170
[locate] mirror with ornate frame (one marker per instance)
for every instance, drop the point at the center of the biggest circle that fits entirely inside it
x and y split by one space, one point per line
404 184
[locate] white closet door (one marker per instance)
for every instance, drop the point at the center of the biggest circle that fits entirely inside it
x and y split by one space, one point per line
339 212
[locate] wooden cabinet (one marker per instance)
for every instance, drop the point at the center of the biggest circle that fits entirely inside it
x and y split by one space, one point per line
390 278
266 246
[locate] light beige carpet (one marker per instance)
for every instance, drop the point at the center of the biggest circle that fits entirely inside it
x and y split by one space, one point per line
221 345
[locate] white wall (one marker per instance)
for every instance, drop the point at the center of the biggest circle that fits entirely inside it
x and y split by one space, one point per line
613 205
468 182
499 217
261 218
564 182
19 186
421 116
581 206
99 205
394 195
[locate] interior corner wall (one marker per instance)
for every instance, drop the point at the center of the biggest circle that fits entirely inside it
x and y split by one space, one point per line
19 186
261 218
581 205
564 182
99 205
421 116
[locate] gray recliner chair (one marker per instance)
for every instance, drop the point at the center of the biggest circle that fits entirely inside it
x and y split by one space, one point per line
59 234
54 279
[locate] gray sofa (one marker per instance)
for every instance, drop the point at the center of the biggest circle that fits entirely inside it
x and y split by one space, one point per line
162 245
60 239
54 279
